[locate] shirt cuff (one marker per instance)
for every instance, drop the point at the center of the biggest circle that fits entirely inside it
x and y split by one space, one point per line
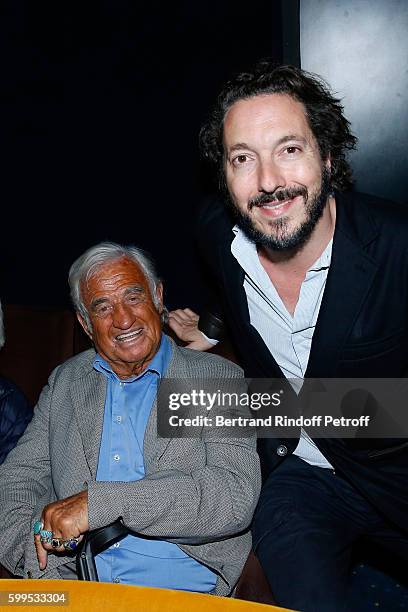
210 340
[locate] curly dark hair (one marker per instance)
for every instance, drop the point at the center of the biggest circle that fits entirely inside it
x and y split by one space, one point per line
323 111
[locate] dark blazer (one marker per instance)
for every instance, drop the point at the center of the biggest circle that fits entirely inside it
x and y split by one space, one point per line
15 414
361 331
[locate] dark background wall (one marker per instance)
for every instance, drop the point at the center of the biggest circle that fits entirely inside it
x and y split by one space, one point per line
100 108
361 48
101 104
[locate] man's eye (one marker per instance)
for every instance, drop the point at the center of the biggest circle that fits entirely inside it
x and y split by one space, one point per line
102 309
239 160
134 299
292 150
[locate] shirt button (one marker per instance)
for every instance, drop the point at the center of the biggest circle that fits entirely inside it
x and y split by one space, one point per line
119 419
116 545
116 457
282 450
116 579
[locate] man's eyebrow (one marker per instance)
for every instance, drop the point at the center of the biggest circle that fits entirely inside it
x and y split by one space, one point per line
291 137
134 289
239 145
98 301
243 145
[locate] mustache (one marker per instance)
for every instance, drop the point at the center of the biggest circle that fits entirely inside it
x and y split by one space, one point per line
277 196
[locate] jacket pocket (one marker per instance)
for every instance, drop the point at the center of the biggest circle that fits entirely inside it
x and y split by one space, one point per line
372 348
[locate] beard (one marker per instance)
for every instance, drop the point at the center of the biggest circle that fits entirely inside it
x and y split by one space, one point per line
281 238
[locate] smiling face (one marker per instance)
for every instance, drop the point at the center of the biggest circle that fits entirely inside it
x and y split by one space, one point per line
274 170
125 323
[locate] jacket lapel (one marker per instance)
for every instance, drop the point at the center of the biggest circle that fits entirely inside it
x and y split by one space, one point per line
88 397
153 445
348 282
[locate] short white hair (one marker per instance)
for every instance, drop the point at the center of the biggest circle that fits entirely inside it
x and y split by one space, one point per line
96 256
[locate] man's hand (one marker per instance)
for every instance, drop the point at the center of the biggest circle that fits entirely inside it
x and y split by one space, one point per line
66 518
184 323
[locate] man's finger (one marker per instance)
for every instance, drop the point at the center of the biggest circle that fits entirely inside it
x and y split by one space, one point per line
192 314
178 315
185 314
173 316
175 324
42 554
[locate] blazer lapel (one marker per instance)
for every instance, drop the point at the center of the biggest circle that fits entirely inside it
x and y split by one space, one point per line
88 396
349 280
153 445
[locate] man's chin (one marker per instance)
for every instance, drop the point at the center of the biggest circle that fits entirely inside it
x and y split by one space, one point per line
279 234
275 235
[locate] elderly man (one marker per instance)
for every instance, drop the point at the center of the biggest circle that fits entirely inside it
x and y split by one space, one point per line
92 453
311 281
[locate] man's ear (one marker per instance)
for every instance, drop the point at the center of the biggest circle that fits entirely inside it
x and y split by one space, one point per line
327 163
84 325
159 293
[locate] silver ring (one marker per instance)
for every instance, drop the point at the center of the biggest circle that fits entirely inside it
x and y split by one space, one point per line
71 544
56 542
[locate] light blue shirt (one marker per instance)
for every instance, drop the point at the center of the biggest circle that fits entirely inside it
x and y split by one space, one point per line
139 560
288 337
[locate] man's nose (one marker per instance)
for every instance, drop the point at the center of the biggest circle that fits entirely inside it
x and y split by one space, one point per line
123 317
270 176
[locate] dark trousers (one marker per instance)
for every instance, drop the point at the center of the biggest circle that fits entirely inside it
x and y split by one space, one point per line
305 526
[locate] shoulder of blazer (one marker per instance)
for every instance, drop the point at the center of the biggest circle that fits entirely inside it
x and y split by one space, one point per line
364 217
77 366
188 363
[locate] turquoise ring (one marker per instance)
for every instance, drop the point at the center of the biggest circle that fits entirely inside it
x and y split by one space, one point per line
46 536
37 527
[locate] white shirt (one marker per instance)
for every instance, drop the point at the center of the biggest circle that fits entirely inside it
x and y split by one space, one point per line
288 337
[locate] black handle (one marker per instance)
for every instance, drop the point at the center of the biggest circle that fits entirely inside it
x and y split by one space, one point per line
95 542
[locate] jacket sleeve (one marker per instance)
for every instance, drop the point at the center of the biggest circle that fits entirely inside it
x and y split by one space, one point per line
212 501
